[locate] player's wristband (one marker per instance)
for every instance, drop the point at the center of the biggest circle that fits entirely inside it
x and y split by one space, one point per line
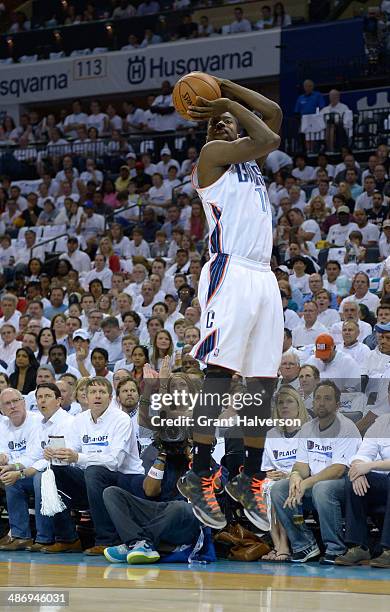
155 473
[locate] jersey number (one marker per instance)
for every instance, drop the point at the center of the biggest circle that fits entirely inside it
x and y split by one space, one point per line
262 199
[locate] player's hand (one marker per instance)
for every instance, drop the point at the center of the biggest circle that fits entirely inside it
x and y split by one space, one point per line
205 109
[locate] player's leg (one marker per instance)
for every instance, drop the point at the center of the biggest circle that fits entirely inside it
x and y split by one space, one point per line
262 359
197 483
247 487
224 332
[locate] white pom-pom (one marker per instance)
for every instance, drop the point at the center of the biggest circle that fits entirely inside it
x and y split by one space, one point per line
51 502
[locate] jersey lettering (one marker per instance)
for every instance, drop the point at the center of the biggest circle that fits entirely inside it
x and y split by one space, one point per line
210 319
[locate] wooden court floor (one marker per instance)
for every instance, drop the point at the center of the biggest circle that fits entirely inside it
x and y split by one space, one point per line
95 585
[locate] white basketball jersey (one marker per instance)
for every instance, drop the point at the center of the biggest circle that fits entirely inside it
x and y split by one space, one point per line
238 212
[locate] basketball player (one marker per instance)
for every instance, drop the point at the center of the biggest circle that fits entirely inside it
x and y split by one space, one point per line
242 315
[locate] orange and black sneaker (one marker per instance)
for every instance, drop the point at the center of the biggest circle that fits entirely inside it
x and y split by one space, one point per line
249 492
199 490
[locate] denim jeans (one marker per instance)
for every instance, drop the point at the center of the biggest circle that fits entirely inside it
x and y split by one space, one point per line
327 498
83 489
138 519
17 502
357 508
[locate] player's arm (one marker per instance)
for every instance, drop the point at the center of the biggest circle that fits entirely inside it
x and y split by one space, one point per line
260 141
270 111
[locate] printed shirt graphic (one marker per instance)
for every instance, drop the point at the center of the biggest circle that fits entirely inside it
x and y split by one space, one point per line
320 449
110 442
280 453
18 442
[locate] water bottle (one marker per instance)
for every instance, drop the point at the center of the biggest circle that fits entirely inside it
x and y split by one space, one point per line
298 515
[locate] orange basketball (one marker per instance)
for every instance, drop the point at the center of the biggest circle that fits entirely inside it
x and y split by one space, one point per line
192 85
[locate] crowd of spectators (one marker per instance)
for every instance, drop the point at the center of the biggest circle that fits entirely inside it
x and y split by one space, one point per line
109 301
160 28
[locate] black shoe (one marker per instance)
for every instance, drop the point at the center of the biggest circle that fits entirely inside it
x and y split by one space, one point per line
304 555
199 490
328 559
249 492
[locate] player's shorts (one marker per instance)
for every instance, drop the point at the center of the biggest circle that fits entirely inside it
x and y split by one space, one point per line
242 323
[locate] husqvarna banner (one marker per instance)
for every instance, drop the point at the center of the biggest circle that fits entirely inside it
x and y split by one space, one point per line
243 56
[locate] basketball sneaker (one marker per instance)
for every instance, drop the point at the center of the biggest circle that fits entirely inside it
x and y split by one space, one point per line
117 554
200 492
142 552
249 492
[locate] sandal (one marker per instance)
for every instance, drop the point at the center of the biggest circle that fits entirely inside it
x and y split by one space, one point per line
277 558
271 556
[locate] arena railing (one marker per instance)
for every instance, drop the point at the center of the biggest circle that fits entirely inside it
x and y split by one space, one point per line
368 129
143 142
110 217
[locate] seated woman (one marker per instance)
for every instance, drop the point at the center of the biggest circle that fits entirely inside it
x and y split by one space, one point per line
46 339
162 347
24 376
279 457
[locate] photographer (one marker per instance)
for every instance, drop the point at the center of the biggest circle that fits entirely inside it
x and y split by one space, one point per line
148 527
170 452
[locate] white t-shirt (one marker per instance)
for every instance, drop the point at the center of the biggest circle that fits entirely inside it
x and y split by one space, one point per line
162 167
328 317
159 195
302 336
338 234
17 442
105 276
343 370
280 453
164 123
370 233
97 121
305 175
370 300
291 319
376 442
75 118
300 282
80 261
321 449
358 351
364 201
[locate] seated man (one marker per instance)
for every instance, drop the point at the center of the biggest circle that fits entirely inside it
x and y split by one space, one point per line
368 487
326 446
18 433
55 422
103 450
